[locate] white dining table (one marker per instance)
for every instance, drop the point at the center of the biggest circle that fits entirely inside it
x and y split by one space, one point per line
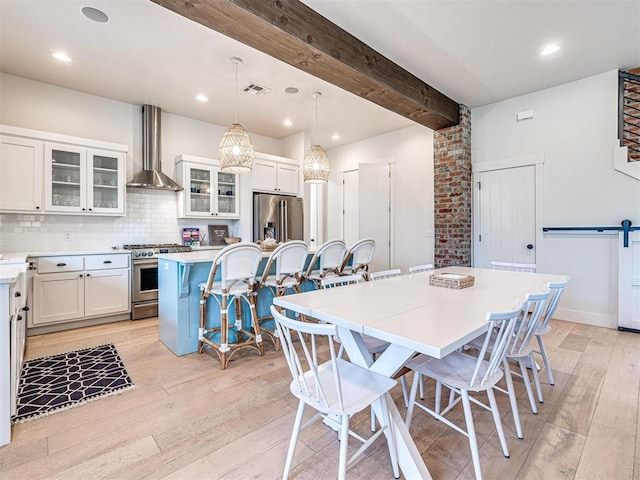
414 317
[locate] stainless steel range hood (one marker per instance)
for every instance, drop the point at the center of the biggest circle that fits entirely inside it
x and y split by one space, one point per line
151 175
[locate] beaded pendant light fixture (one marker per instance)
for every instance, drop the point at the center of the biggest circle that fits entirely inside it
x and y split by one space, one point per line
236 149
315 168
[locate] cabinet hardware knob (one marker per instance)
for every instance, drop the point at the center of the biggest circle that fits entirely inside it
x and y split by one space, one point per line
61 265
107 261
90 209
83 209
88 274
530 247
81 275
37 207
26 309
17 294
19 317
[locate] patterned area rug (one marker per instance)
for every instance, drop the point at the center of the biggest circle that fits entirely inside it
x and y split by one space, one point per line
59 382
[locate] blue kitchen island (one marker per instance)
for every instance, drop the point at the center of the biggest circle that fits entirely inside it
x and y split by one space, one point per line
179 277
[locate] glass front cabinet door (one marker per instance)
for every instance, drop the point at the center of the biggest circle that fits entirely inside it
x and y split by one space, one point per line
80 180
105 181
227 198
65 173
208 192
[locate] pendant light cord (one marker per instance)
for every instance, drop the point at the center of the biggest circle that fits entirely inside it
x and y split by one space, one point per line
316 118
236 64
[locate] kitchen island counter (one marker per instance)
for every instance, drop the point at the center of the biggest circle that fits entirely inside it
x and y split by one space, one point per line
179 277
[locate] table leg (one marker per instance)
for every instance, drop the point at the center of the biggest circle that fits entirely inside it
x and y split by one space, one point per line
388 363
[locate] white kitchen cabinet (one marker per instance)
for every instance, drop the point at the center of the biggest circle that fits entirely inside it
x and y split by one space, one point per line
106 292
52 173
275 175
208 192
21 167
58 297
13 296
79 287
83 181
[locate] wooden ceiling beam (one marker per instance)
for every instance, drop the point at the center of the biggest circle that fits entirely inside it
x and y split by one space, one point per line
290 31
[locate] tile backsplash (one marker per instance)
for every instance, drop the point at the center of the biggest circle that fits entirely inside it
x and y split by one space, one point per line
151 218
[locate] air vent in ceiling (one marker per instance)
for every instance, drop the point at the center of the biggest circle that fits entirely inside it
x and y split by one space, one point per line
255 89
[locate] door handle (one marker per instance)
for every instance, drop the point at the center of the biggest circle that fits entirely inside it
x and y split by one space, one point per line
530 246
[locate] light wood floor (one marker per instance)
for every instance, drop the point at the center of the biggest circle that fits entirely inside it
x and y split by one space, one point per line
187 419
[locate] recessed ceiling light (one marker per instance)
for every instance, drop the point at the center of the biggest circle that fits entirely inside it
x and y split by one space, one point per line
202 98
291 90
550 49
94 14
63 57
287 122
335 136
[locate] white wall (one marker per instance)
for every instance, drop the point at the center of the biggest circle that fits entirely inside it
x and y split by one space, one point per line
575 128
40 106
411 149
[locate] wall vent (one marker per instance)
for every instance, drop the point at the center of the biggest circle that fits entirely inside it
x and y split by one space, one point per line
255 89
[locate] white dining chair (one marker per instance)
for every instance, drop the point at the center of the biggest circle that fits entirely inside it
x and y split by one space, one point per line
556 289
358 257
328 259
230 282
521 352
333 388
514 267
465 374
373 345
421 268
283 273
381 275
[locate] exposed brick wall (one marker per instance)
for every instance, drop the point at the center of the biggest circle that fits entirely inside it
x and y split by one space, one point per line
453 193
632 123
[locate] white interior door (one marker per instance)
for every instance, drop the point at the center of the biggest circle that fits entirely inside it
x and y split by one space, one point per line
629 282
507 230
350 207
376 210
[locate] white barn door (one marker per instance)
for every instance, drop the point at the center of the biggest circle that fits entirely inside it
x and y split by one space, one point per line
629 282
507 218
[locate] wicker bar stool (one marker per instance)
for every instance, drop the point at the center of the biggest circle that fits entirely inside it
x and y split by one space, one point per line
329 257
288 262
360 255
237 265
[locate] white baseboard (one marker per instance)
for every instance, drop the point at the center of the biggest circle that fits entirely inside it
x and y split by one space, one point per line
588 318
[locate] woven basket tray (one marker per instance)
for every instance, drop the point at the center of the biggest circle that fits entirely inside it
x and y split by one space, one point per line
269 248
451 280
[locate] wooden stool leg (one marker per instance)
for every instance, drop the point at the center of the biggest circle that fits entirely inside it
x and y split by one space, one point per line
224 332
255 324
203 316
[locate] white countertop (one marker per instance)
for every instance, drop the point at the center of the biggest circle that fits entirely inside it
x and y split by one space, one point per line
9 272
102 251
13 257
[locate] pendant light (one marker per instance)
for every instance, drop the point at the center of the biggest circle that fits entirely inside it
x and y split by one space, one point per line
236 150
315 168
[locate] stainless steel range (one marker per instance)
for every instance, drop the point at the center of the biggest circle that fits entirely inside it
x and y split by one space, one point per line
144 284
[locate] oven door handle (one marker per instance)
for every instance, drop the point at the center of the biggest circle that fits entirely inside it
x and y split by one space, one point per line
148 261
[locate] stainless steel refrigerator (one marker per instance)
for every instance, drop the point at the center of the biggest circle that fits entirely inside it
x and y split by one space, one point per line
277 216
